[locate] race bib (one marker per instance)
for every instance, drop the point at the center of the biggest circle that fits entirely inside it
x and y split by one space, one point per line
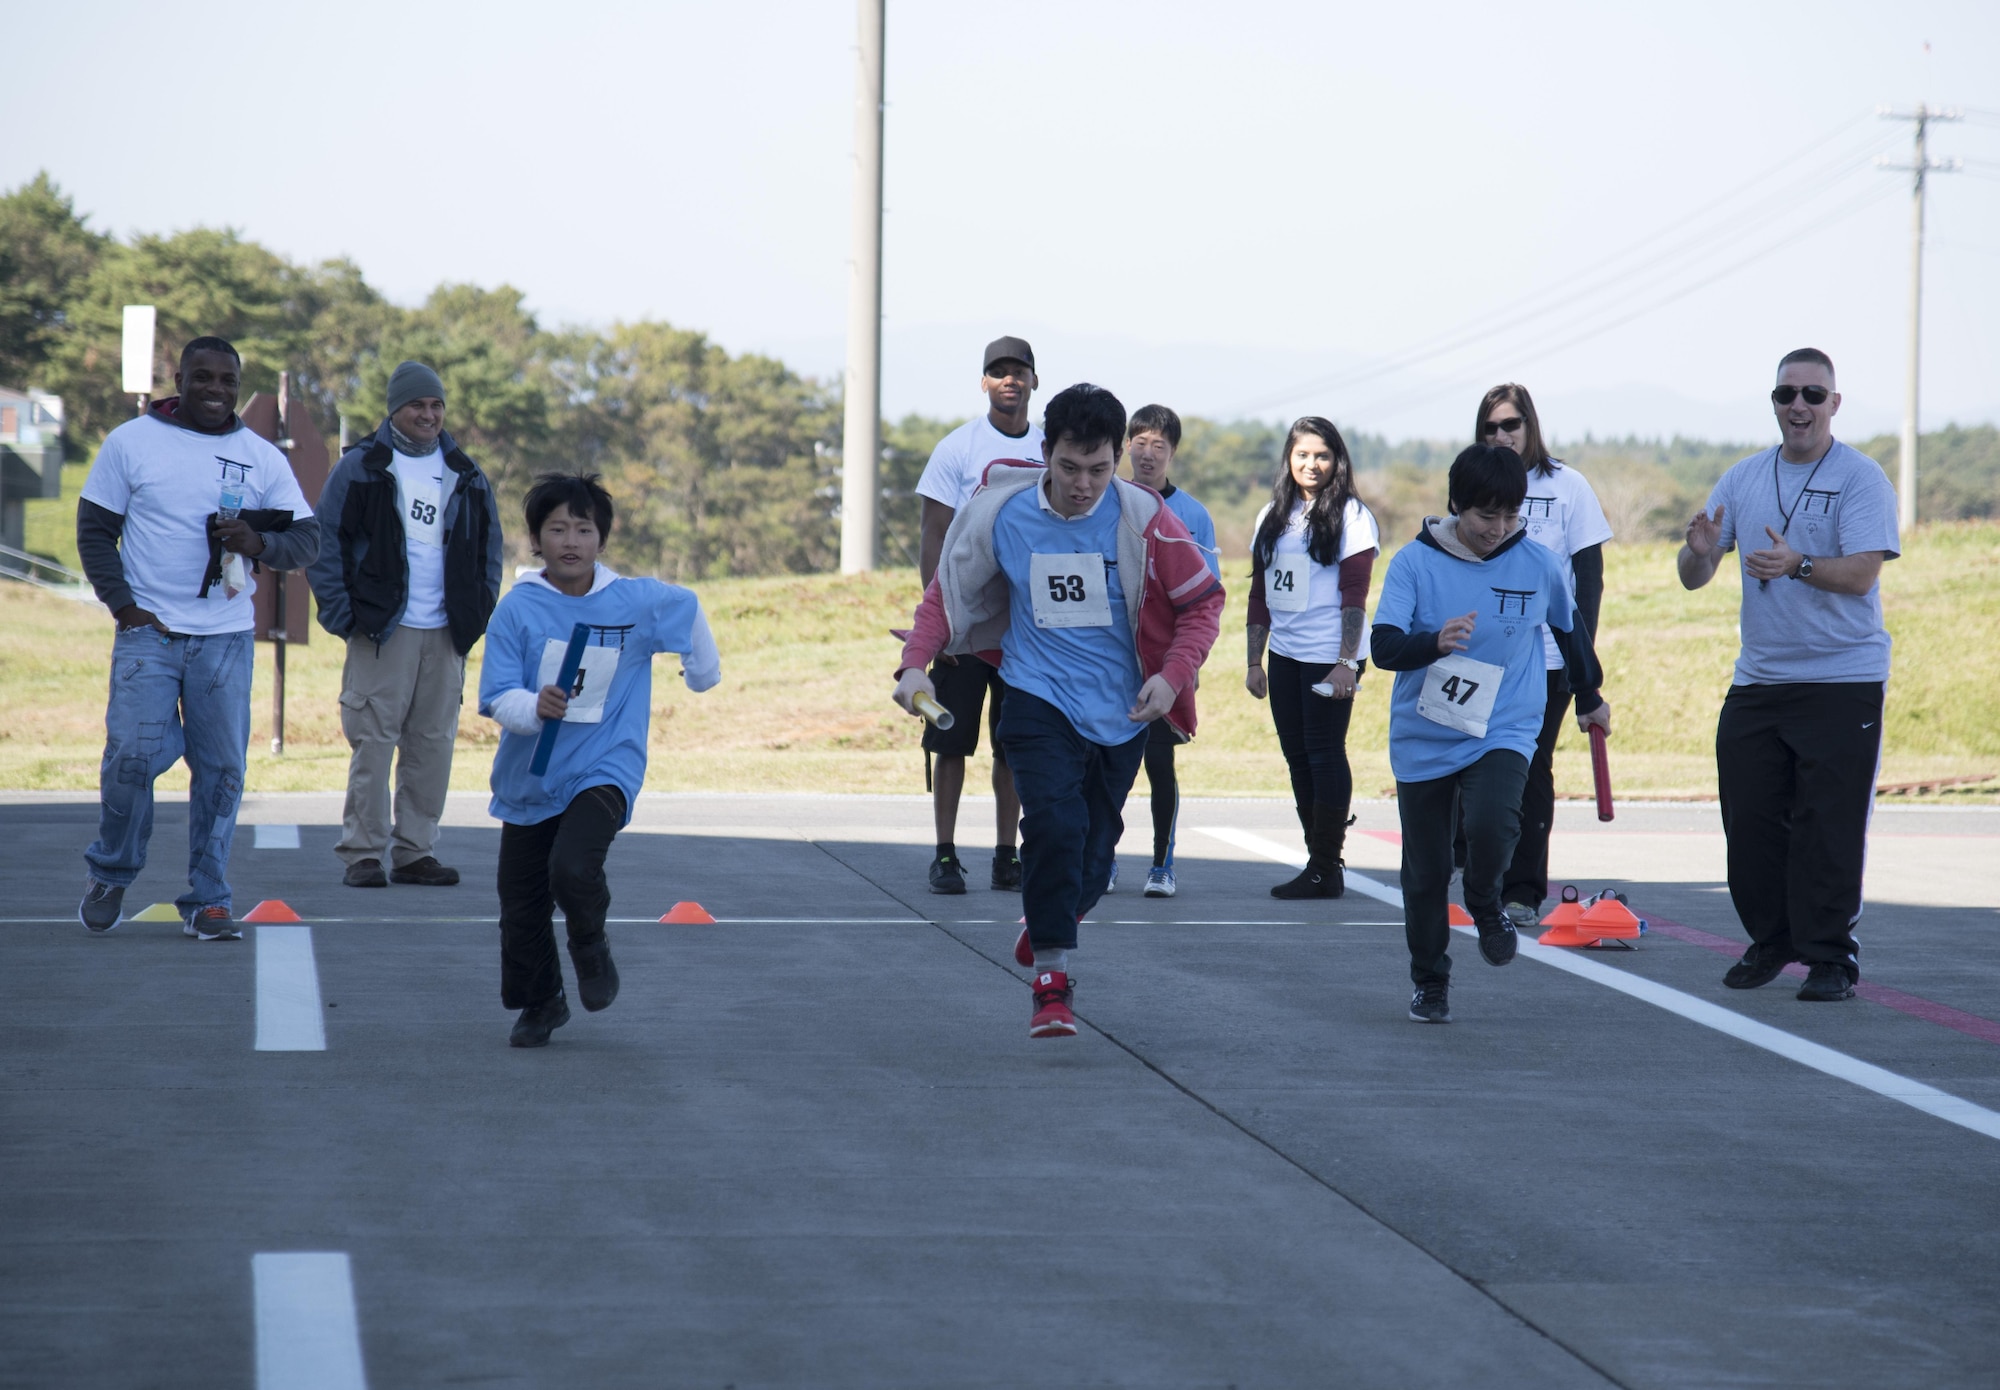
422 505
592 683
1459 693
1288 584
1069 590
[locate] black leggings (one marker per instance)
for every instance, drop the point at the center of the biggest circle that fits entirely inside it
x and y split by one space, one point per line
556 861
1312 734
1160 741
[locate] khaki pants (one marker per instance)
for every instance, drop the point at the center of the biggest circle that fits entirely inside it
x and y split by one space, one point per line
403 695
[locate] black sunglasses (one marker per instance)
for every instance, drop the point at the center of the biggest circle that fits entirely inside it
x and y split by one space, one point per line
1502 426
1815 395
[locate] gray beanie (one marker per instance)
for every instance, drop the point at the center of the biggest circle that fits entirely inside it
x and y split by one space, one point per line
412 381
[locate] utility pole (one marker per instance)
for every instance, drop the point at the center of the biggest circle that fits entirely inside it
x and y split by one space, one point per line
861 430
1920 166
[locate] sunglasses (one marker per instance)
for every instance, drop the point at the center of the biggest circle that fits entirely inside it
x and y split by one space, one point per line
1502 426
1815 395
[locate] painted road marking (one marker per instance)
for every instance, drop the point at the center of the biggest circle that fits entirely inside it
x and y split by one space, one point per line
288 1007
1853 1070
276 836
308 1337
1271 849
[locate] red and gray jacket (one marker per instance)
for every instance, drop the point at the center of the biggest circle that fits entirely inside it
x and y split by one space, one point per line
1174 615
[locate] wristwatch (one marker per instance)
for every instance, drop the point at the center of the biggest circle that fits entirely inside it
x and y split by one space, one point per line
1804 571
1349 662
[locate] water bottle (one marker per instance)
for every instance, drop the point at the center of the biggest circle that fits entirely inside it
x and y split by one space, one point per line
231 505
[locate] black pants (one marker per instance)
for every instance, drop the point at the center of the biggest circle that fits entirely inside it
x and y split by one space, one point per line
1312 734
1796 766
1527 878
556 861
1487 797
1160 743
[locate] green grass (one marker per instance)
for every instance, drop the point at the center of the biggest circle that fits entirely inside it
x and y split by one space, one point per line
806 673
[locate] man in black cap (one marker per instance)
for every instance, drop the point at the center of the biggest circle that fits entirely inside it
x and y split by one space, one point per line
408 581
953 474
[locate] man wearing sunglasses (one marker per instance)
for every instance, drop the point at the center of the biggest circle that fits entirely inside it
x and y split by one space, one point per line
1800 738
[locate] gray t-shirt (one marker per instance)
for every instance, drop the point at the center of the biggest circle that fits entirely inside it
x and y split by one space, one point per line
1842 505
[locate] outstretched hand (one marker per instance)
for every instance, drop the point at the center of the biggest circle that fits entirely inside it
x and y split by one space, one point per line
1704 533
1775 561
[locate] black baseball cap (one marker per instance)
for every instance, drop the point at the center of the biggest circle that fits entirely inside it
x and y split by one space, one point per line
1016 348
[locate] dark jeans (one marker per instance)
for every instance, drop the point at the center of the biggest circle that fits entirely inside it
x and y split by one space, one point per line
1796 765
1487 797
556 861
1312 734
1072 802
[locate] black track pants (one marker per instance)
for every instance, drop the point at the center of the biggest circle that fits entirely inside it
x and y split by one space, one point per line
559 861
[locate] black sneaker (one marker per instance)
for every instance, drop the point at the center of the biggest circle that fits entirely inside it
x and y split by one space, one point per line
1755 970
102 907
426 871
1826 983
946 876
365 873
1313 883
537 1021
1006 871
596 974
1497 944
1431 1003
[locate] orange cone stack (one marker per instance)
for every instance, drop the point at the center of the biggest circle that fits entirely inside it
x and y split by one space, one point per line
272 910
689 915
1458 916
1611 920
1564 925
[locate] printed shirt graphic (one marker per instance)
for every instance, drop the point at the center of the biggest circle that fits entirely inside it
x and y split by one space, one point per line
422 487
166 481
1090 673
630 620
1310 631
1562 514
1513 593
1792 632
952 475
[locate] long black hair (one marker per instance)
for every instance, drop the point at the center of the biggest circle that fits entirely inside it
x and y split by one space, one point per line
1327 508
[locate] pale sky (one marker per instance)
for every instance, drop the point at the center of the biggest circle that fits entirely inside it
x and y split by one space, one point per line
1260 207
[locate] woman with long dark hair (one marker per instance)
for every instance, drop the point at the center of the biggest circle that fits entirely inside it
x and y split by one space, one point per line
1311 558
1562 514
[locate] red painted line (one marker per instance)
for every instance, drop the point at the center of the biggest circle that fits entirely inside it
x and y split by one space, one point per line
1930 1011
1394 837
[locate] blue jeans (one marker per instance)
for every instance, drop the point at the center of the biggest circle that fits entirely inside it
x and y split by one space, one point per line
1072 803
171 696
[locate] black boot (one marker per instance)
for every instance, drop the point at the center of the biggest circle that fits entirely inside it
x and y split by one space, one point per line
1322 877
596 973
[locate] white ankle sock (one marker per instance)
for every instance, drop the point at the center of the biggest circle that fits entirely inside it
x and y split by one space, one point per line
1052 960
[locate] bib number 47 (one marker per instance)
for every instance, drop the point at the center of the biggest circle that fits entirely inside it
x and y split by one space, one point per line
1459 690
1066 588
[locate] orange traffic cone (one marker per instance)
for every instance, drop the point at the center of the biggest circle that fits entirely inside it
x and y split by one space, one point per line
1564 925
689 915
1458 916
272 910
1610 920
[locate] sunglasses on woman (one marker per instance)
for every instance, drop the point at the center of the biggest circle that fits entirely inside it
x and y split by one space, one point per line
1494 427
1815 395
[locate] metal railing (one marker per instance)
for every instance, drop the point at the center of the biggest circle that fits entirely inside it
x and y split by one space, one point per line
38 570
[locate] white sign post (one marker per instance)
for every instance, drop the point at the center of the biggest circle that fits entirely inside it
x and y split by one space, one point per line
139 322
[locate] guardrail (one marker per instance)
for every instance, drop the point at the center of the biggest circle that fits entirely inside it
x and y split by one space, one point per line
38 570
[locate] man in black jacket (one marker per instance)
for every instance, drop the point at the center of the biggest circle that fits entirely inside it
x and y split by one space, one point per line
408 578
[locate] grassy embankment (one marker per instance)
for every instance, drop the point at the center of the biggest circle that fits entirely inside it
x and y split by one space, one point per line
803 705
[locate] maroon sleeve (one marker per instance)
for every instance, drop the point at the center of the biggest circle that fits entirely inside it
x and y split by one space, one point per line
1259 614
1355 572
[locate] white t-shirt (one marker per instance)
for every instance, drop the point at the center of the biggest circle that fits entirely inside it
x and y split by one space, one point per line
1304 596
421 491
960 459
1562 514
166 481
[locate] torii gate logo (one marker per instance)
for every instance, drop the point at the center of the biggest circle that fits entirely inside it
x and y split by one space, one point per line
1514 602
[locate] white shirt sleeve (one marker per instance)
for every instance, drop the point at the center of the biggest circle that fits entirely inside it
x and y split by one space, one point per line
107 486
944 475
1588 525
514 711
701 668
1358 530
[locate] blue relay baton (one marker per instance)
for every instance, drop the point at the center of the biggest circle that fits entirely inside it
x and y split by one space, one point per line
565 681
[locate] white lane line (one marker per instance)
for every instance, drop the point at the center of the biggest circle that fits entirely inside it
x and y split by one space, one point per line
1866 1075
308 1337
288 1008
276 836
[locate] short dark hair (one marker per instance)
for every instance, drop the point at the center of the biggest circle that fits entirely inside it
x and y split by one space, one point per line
1813 355
1087 416
210 343
1160 420
1487 475
582 494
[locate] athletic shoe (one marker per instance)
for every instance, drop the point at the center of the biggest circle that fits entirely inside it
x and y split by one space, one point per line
1024 951
103 906
1053 1018
1826 983
537 1021
1523 917
426 871
1498 945
212 924
945 875
1431 1003
1006 872
1160 882
596 974
1313 883
1755 970
365 873
1111 885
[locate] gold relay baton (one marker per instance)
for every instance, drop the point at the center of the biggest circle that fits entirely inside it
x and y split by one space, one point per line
933 711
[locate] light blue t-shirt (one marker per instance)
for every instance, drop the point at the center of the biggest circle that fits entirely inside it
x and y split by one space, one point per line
1200 525
1514 592
603 738
1090 672
1841 505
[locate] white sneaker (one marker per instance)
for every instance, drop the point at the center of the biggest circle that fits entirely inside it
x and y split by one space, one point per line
1112 886
1160 883
1523 917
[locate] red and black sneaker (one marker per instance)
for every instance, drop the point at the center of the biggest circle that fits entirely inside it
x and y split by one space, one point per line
1053 1018
1024 950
